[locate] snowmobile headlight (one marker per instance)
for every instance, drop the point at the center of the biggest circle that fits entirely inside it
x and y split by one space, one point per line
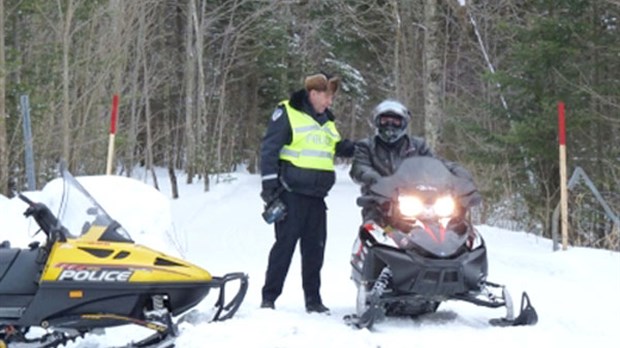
410 206
444 206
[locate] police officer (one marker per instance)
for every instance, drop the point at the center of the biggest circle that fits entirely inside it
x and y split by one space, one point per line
297 166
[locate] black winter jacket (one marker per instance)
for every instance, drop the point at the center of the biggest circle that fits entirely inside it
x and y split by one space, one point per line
276 172
374 159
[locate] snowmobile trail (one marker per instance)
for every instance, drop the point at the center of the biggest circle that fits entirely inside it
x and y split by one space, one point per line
235 237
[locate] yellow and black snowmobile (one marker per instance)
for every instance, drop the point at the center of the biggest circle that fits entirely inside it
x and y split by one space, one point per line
89 275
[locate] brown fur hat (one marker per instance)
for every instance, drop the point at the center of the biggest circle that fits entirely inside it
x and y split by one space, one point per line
322 82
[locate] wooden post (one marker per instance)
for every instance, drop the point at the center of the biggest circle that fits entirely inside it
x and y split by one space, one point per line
563 185
113 117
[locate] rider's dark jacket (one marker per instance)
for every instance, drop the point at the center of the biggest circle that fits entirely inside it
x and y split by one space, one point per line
374 158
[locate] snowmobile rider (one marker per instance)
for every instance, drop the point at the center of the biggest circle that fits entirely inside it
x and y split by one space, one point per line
297 166
381 154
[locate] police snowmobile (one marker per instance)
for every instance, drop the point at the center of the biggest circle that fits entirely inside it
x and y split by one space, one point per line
89 275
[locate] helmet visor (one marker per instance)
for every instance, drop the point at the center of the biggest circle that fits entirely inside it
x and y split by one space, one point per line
390 120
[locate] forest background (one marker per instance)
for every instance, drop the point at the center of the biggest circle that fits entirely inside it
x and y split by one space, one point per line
198 81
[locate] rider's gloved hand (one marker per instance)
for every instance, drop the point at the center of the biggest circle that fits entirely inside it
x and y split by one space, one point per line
370 177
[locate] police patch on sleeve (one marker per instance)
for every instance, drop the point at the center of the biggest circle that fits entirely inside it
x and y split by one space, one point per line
276 114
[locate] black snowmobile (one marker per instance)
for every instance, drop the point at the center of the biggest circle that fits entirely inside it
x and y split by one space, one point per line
90 275
425 251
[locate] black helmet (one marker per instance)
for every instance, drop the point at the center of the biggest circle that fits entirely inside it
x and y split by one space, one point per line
390 119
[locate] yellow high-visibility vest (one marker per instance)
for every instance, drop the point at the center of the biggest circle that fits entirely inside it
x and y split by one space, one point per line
313 145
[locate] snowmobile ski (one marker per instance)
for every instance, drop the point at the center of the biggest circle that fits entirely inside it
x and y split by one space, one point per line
527 316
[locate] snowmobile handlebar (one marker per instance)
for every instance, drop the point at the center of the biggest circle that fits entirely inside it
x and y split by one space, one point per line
25 199
45 219
370 200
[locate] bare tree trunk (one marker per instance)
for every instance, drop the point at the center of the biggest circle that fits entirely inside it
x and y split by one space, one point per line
117 7
147 122
66 103
170 122
397 40
251 135
432 76
410 67
228 52
146 99
202 117
132 132
221 121
173 180
190 92
4 160
599 128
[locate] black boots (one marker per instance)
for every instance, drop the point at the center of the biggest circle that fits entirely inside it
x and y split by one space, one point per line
267 304
316 308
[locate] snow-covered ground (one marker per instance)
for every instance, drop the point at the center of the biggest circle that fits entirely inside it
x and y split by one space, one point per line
576 292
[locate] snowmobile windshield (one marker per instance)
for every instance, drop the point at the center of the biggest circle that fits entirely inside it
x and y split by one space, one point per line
422 174
83 217
424 197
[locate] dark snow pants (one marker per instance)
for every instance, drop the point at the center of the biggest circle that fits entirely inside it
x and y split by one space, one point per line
305 221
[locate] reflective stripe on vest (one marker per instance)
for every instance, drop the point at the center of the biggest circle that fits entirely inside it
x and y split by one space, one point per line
313 146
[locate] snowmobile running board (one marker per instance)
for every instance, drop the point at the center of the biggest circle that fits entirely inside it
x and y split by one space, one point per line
527 314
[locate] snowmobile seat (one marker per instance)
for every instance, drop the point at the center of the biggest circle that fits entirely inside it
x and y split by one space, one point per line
6 259
19 271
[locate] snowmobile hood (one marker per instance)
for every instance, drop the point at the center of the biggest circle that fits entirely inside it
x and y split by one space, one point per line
425 210
112 262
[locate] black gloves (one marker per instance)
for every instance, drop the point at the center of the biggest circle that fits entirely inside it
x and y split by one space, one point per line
271 189
268 195
345 148
275 209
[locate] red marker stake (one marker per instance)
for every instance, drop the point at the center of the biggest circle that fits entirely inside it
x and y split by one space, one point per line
563 186
113 118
